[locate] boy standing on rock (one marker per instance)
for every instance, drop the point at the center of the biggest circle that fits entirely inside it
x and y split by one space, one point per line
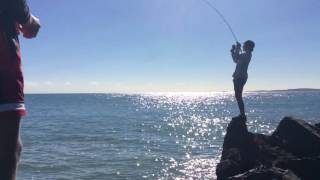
240 74
14 18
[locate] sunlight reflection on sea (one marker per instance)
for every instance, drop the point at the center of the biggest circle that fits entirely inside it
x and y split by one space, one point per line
143 136
195 123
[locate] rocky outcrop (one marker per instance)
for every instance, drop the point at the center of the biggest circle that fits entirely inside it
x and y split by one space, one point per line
292 152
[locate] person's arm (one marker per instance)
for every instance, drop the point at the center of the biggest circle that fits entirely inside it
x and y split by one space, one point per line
235 52
29 25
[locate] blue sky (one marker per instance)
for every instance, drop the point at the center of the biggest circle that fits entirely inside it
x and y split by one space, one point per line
169 45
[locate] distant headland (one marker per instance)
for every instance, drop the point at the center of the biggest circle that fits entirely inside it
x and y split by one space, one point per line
285 90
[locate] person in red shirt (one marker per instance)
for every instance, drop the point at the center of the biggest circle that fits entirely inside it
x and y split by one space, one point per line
15 17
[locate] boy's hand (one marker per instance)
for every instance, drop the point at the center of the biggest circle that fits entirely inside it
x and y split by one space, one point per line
238 46
233 48
31 28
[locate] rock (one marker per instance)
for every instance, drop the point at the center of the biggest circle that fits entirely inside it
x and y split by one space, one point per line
239 151
318 127
306 168
227 168
301 138
237 135
266 174
292 152
270 155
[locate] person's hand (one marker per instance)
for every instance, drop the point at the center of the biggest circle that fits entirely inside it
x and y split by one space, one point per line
238 46
233 48
31 28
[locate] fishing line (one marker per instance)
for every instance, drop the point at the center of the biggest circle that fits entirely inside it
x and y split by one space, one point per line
222 17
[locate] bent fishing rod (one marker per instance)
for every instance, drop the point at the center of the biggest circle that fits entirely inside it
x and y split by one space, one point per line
222 17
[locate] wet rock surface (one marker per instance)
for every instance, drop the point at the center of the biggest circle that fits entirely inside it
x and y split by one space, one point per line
292 152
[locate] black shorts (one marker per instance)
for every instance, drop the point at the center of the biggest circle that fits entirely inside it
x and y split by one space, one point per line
239 84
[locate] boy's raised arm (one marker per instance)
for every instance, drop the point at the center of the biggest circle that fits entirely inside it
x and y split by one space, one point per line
235 52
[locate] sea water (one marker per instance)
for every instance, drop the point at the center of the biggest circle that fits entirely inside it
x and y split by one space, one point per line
143 136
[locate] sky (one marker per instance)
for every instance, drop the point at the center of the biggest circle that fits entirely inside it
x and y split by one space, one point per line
130 46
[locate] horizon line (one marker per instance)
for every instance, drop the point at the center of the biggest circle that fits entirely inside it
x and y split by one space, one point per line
172 92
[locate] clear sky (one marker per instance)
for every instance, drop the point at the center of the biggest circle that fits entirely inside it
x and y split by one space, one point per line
170 45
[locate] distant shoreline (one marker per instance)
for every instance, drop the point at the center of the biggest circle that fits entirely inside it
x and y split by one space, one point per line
134 93
284 90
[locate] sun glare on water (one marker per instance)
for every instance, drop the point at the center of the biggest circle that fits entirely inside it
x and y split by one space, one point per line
194 125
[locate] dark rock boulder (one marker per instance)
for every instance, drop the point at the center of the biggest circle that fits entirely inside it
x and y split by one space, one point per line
266 174
301 138
306 168
239 151
317 127
292 152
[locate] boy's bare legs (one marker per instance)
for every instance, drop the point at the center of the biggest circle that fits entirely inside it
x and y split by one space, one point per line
238 89
10 146
238 95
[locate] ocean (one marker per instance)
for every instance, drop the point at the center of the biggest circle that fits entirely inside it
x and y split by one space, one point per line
143 136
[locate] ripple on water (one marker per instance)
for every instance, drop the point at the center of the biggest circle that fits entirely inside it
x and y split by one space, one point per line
148 136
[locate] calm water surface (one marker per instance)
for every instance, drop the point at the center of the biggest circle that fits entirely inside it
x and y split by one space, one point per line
143 136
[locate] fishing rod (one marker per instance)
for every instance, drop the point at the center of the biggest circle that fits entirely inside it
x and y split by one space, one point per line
222 17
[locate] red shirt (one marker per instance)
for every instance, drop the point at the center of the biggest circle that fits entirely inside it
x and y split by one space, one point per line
12 12
11 76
